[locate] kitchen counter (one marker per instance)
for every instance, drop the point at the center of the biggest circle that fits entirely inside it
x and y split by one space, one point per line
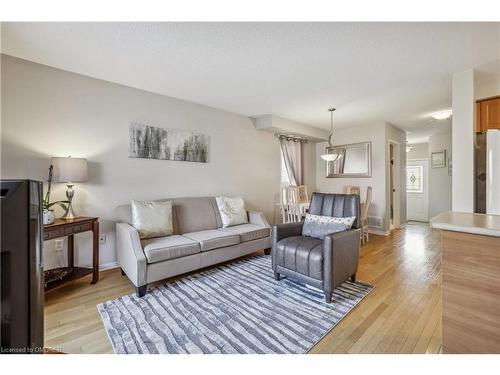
486 225
470 270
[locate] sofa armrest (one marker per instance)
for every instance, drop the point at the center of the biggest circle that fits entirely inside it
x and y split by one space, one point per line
130 254
258 218
340 257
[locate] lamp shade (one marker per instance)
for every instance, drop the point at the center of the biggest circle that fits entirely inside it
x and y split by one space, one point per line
69 169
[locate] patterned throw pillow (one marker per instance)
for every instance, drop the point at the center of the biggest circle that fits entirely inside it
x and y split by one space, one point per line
320 226
232 211
152 219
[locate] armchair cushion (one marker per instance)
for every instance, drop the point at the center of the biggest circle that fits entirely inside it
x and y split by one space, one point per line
301 254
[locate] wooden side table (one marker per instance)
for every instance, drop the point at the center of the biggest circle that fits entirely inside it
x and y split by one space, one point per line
68 228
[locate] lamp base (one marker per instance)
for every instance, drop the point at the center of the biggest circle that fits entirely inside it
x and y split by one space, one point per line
69 214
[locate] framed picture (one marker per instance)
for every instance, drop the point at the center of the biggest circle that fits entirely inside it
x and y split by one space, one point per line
438 159
149 142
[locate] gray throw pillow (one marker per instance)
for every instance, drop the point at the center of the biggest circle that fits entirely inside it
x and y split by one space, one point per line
317 226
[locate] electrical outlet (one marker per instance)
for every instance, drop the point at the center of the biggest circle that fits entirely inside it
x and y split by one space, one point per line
102 239
59 245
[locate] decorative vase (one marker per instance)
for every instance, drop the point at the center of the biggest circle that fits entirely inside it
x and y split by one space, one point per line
48 217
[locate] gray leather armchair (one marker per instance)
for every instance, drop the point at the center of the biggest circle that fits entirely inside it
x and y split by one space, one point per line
323 263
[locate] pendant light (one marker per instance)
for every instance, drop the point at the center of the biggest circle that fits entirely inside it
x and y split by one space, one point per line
328 156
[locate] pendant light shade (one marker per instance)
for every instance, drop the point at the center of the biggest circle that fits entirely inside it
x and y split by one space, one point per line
330 156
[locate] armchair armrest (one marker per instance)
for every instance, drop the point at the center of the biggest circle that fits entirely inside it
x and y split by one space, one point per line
258 218
341 257
281 231
130 254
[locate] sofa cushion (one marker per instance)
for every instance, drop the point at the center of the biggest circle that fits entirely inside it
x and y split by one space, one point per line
248 232
171 247
213 239
301 254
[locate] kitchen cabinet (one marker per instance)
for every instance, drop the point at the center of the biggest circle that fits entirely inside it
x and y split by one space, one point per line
488 114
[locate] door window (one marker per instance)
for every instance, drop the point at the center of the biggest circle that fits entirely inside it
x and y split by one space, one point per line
414 179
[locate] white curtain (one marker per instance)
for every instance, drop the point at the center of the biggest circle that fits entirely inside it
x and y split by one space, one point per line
292 157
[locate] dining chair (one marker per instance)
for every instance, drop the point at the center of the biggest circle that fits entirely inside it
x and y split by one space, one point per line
353 189
290 209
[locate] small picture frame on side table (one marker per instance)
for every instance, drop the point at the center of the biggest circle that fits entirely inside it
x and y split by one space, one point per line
438 159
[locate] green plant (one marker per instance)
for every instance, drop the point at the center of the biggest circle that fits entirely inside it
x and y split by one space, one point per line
46 204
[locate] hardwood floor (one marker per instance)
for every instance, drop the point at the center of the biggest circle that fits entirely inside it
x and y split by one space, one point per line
401 315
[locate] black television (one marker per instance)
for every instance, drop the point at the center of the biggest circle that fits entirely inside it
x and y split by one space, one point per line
21 267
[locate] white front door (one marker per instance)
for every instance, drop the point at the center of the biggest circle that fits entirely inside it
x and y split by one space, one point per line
417 190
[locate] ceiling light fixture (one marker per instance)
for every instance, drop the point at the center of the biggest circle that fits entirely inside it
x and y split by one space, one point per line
330 156
442 115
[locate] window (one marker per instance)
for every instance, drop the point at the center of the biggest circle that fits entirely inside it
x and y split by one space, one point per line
414 179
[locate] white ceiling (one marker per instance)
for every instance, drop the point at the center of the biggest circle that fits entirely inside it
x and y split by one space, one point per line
372 72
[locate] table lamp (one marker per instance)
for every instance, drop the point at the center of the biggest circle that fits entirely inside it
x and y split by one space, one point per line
69 170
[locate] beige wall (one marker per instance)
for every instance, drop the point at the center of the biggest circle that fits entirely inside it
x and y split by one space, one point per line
48 112
440 181
419 151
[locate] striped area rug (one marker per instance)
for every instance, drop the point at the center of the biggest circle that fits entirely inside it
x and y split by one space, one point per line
235 308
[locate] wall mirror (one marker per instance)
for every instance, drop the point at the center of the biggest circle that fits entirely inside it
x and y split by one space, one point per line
355 160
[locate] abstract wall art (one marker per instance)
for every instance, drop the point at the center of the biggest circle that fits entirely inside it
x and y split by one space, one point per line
149 142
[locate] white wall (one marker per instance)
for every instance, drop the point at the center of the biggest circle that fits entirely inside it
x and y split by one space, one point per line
48 112
419 151
440 182
376 134
463 141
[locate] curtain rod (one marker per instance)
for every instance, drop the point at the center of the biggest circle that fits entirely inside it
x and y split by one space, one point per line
293 138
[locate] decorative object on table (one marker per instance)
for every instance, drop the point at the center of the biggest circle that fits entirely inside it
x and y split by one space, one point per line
48 212
296 316
450 168
438 159
68 228
149 142
152 218
355 161
69 170
330 155
56 274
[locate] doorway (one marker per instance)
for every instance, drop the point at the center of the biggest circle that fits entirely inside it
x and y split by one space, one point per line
394 185
417 190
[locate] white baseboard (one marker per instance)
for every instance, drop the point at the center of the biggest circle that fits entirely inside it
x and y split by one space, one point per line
108 266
